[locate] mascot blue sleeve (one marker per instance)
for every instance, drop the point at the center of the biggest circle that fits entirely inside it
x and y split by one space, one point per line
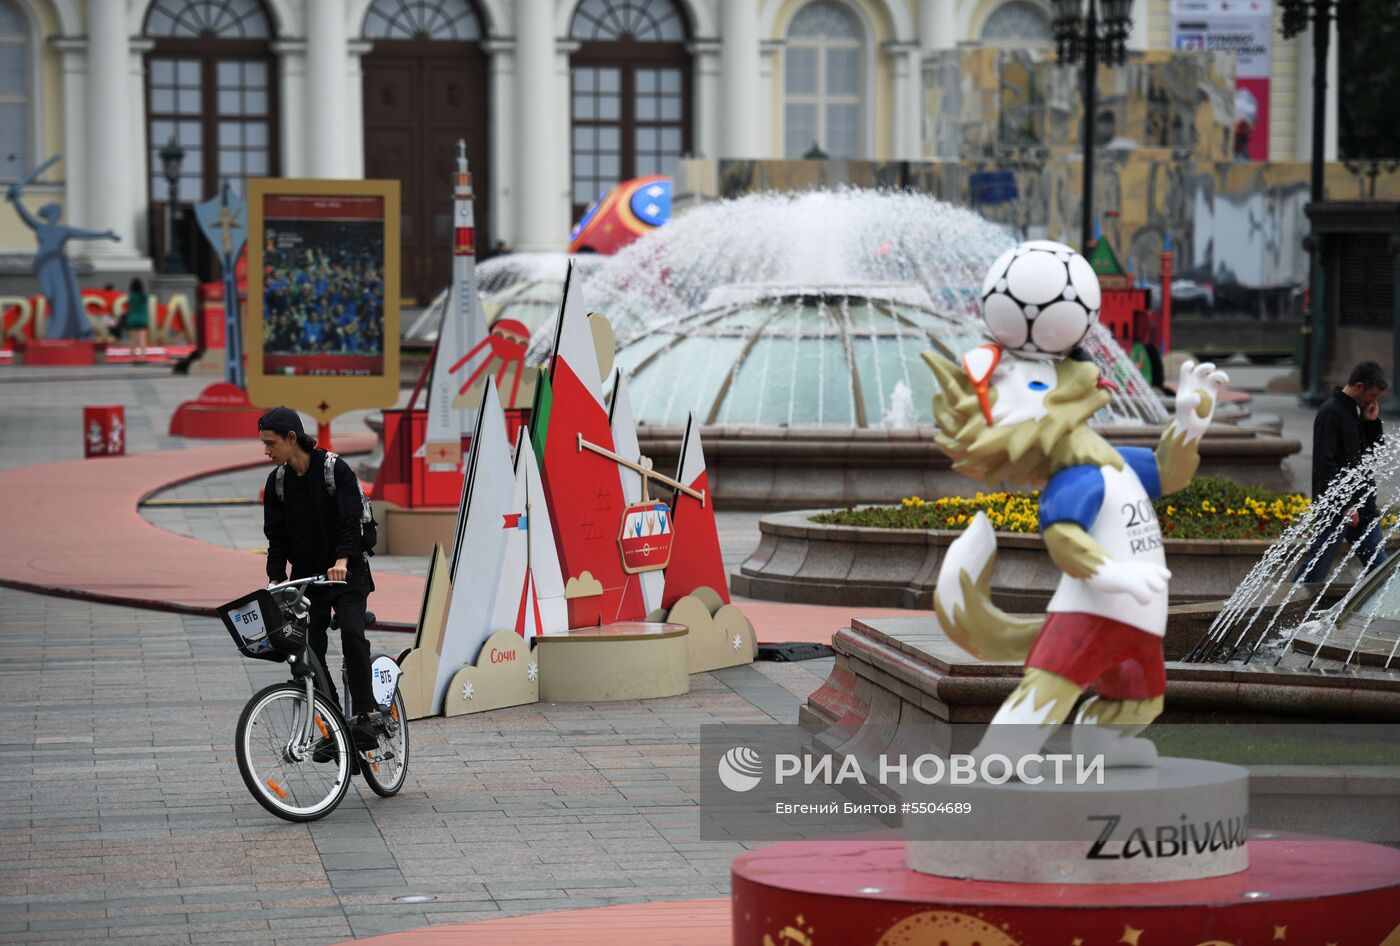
1075 494
1144 463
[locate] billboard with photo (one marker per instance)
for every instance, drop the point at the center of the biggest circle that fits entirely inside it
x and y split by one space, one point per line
322 324
1245 28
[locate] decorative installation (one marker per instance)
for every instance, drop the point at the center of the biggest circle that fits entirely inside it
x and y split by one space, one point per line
457 366
322 333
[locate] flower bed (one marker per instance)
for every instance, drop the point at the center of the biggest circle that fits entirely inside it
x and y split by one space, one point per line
1209 508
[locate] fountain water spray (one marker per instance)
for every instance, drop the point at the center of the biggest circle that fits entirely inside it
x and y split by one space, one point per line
819 243
1272 610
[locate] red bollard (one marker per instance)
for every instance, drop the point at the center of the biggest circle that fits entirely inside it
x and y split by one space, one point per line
104 430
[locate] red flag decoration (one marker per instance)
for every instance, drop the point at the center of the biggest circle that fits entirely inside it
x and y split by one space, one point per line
695 555
584 490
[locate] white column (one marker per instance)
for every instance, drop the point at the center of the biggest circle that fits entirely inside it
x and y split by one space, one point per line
908 96
705 55
538 201
938 25
563 166
774 123
1303 120
136 147
739 80
503 143
326 53
111 194
291 85
75 143
355 109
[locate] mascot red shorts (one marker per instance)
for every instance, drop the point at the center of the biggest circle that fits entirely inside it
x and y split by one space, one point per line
1124 662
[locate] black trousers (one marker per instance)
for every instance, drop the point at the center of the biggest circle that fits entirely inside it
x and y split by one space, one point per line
348 603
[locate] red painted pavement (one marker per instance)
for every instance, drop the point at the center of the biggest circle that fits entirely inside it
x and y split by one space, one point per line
76 530
674 922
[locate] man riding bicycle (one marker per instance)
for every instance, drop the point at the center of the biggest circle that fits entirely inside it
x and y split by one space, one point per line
317 530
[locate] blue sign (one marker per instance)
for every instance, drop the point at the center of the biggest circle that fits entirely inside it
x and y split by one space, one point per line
992 187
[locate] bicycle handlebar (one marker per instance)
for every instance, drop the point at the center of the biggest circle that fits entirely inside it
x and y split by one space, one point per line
295 582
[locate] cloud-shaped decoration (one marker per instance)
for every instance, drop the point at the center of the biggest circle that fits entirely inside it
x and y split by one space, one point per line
500 677
714 626
583 586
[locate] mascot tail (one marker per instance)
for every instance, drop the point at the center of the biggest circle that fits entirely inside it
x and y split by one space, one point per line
962 599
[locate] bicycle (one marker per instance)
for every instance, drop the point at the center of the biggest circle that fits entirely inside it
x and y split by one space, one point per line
298 764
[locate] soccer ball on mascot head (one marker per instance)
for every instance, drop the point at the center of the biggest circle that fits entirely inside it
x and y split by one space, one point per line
1030 388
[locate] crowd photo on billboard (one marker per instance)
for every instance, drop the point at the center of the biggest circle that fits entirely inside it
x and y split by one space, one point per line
323 286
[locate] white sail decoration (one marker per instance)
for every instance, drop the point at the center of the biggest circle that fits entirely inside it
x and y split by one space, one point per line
625 444
462 346
488 496
530 595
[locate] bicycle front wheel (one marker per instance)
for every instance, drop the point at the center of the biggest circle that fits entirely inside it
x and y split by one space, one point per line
386 767
294 780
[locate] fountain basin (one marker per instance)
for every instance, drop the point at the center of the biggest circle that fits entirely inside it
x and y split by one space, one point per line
798 560
778 468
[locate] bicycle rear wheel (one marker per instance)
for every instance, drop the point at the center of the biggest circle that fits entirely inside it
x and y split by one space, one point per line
386 768
281 773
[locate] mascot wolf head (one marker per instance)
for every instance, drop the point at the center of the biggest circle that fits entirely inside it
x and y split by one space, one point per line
1003 418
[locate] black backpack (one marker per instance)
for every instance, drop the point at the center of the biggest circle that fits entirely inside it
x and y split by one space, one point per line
369 529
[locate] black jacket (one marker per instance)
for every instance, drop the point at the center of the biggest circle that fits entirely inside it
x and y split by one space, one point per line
309 527
1340 438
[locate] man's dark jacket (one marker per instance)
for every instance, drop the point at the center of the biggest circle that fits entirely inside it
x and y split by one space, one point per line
309 527
1340 438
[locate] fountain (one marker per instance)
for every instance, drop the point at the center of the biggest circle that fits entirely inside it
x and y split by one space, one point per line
731 268
788 322
1350 618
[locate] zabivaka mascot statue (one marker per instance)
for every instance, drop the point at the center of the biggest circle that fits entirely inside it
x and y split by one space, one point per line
1017 412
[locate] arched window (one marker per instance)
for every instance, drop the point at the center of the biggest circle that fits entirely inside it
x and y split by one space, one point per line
823 81
210 83
631 93
15 131
1017 22
427 84
443 20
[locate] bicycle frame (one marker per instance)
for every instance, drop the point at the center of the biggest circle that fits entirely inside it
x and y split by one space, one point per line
305 666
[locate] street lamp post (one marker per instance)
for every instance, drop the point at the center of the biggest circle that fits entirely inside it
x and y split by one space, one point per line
1296 14
1081 35
171 157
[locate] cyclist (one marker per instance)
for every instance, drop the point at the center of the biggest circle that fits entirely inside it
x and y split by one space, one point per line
319 533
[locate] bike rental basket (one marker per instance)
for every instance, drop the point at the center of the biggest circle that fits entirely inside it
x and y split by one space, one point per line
261 628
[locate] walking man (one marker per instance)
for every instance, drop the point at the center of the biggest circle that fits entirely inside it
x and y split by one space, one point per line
317 531
1347 425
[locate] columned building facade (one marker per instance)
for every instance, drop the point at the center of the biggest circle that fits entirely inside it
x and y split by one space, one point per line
556 99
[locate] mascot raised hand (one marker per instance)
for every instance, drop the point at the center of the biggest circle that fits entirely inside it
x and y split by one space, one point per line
1017 413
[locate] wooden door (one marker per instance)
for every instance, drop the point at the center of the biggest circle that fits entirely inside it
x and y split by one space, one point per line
421 96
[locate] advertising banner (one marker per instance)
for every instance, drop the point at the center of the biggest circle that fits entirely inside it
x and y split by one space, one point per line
322 328
1245 28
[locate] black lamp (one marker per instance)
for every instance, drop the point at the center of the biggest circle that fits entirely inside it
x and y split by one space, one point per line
171 157
815 153
1082 35
1296 17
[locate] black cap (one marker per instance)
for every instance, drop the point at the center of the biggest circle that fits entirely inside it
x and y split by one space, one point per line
283 421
